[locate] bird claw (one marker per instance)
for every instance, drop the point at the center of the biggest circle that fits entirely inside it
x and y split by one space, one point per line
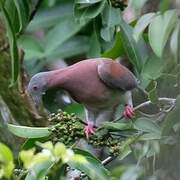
128 112
89 130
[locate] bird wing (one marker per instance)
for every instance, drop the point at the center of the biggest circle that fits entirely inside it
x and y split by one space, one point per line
116 75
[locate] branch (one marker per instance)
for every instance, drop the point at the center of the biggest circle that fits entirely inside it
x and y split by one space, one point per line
163 99
146 103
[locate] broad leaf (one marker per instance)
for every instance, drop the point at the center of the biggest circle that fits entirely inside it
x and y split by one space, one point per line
135 51
88 12
160 29
23 12
29 132
177 103
171 119
90 167
117 126
12 43
117 49
32 47
39 171
51 16
147 125
175 42
70 48
64 30
95 48
152 94
141 25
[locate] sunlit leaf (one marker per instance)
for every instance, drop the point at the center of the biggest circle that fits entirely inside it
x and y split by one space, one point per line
160 29
141 25
175 42
39 171
29 132
90 167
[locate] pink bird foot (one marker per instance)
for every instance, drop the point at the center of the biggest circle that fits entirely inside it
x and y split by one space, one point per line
89 130
128 112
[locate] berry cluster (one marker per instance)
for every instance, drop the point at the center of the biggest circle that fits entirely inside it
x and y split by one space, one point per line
67 128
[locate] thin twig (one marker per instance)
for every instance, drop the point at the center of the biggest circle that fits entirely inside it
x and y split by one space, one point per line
108 160
162 99
146 103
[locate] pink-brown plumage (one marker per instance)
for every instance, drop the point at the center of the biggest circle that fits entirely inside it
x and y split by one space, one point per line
98 84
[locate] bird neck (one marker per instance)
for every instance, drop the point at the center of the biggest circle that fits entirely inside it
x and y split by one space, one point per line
57 78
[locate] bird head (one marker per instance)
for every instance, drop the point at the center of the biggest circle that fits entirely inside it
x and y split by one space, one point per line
37 87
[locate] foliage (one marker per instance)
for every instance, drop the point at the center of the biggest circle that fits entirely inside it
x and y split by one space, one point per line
52 30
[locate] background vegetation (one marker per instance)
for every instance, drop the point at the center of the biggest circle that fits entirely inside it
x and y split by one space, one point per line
48 34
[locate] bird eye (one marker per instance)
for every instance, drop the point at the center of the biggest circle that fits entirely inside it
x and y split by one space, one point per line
35 88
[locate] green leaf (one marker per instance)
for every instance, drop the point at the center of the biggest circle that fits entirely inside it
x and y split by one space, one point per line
110 16
135 51
107 33
175 42
150 136
147 125
152 94
90 167
29 132
39 171
171 119
89 12
6 161
32 47
141 25
95 48
70 48
85 154
23 12
177 103
13 45
117 49
11 10
5 153
93 167
125 152
51 16
64 30
160 29
117 126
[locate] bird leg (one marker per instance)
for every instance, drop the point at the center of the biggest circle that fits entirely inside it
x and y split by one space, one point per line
89 129
128 112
